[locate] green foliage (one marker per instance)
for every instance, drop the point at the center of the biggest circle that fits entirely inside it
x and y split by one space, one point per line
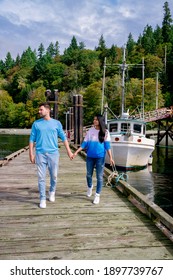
6 103
130 44
53 50
150 95
92 101
166 24
153 64
9 62
28 58
134 94
113 93
78 70
148 41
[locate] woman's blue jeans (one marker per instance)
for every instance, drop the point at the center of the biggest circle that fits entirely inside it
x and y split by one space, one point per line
52 162
99 164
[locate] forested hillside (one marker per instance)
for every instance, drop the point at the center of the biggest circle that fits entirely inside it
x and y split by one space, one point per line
24 80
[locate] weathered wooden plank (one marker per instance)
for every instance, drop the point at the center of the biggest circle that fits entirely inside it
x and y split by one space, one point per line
72 227
93 254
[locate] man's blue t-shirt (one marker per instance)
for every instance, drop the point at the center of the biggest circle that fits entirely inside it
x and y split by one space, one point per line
45 133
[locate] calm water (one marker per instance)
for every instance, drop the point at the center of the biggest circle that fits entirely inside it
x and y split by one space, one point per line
12 143
156 181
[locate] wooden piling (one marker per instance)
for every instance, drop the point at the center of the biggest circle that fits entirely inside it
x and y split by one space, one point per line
78 119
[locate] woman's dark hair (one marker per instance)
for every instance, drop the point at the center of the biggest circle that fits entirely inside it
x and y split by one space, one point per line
102 125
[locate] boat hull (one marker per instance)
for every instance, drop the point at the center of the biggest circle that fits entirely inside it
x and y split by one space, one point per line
131 152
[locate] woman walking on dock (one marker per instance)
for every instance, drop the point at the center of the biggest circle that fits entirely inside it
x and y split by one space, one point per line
96 143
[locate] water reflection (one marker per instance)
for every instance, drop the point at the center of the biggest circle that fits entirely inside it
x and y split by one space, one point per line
156 181
142 180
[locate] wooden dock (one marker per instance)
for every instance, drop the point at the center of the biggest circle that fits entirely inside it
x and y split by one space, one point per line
72 228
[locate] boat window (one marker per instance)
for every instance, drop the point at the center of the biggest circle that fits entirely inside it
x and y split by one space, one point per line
137 128
113 127
125 126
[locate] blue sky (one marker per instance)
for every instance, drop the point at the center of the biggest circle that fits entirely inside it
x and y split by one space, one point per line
26 23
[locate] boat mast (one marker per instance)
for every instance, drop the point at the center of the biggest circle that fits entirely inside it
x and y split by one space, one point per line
123 68
143 68
103 84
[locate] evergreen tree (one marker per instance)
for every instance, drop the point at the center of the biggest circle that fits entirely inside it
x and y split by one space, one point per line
71 54
148 42
102 49
81 45
56 48
73 44
130 44
28 58
1 66
41 51
51 50
17 62
158 35
166 24
9 62
112 54
102 44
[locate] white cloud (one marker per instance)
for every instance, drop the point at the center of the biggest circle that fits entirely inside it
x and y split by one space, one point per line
31 22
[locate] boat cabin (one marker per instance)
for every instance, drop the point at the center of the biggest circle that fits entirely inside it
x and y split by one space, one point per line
123 126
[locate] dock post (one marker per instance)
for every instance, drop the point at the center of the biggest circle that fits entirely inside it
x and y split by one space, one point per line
78 118
71 118
52 98
55 107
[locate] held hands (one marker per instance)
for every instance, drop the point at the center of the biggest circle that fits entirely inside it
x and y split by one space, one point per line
73 155
70 154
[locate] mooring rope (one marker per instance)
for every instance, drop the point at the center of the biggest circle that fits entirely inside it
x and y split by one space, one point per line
122 176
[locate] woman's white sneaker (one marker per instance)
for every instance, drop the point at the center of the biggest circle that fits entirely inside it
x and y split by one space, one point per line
42 203
52 196
96 198
89 191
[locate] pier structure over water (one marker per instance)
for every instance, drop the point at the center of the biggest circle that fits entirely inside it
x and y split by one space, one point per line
164 119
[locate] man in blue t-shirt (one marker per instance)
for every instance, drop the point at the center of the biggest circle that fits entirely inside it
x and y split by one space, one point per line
44 140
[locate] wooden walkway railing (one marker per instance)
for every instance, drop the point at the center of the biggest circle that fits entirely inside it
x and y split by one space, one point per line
73 228
159 114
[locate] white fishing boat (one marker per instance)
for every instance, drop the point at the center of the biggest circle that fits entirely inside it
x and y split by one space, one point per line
130 147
